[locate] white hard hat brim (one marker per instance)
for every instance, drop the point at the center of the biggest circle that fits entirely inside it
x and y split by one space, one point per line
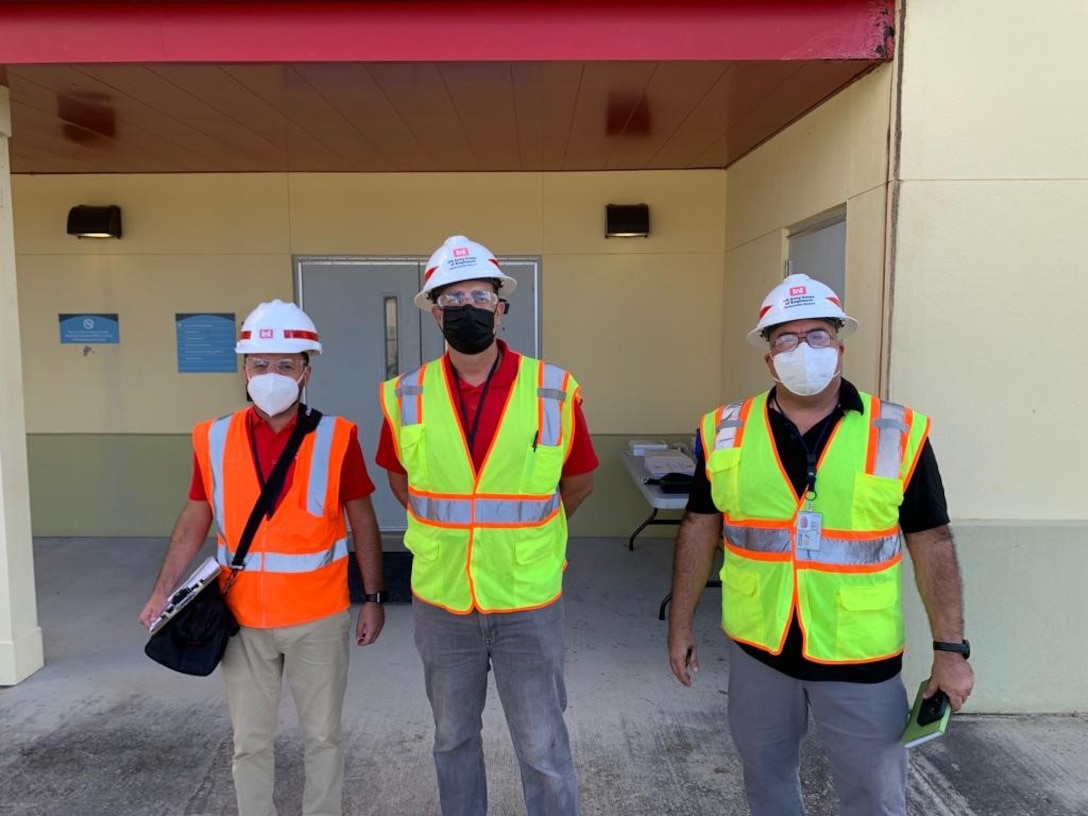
849 326
509 285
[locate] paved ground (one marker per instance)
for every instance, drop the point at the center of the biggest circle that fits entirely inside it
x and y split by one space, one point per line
103 730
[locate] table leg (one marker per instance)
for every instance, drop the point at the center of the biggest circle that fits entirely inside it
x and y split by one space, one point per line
649 520
668 598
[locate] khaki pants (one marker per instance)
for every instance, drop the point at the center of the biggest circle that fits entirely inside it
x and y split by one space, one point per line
314 657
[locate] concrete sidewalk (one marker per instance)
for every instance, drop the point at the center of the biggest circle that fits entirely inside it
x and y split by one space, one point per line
103 730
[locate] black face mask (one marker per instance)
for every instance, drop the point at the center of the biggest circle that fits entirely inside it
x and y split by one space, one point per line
467 329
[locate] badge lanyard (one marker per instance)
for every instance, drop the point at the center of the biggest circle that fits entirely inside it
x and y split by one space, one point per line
810 522
470 433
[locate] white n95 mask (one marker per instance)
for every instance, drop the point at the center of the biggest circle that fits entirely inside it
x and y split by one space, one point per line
273 393
806 371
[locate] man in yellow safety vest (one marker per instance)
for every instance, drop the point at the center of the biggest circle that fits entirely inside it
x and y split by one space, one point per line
807 488
489 452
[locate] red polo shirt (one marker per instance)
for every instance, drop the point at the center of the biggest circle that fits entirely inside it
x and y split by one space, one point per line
268 445
582 458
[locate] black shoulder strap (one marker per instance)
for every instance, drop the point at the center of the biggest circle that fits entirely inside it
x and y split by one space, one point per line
307 421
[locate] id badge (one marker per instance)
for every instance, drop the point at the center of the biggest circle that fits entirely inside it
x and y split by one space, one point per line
810 527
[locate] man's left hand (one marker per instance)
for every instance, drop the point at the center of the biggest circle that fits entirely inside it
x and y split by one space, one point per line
371 621
953 675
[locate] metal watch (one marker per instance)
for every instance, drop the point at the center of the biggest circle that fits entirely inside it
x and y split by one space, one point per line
378 597
944 646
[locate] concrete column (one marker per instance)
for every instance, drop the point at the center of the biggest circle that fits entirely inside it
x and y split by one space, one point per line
20 637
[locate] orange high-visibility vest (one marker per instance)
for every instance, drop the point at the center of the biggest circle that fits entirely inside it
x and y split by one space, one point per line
296 567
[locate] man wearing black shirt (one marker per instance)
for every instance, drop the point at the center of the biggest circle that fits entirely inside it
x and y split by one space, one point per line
810 580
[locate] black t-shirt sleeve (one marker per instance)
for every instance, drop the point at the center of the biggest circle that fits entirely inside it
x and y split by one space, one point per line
699 499
924 506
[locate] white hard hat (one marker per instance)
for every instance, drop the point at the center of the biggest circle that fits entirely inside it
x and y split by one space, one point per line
800 297
459 259
276 327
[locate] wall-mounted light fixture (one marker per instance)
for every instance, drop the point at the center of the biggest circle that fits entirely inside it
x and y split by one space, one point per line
95 222
627 220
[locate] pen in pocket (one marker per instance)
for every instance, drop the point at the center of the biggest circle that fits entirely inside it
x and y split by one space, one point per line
536 438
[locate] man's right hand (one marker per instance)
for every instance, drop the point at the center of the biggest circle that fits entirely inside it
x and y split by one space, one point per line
155 604
683 657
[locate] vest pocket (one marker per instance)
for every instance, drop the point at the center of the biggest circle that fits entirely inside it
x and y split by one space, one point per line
413 453
869 621
543 468
724 468
876 502
742 615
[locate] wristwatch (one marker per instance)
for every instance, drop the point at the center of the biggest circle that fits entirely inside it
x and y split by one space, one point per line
378 597
944 646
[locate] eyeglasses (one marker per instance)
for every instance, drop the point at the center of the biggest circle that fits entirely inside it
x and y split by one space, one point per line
289 368
481 298
816 338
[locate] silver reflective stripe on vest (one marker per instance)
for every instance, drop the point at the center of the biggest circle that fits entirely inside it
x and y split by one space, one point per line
551 396
728 427
441 511
758 539
294 563
513 512
217 445
408 388
518 512
319 467
843 552
889 441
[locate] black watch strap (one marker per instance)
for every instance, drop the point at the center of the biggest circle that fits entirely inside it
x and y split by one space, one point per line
963 648
378 597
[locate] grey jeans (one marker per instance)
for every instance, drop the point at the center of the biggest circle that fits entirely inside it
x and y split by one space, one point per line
526 650
860 725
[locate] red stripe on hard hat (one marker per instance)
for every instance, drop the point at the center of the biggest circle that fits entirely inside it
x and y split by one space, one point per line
764 310
495 262
428 273
835 300
299 334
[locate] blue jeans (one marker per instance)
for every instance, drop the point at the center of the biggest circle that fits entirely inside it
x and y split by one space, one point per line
526 650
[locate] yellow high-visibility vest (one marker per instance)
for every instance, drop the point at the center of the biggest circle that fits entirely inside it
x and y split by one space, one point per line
845 589
493 541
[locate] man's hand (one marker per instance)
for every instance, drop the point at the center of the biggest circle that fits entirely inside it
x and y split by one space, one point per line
953 675
369 626
155 604
683 656
696 542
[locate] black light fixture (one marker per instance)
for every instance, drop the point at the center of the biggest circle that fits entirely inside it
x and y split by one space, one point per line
95 222
627 220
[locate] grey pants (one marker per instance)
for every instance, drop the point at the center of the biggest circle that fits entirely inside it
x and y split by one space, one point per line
859 725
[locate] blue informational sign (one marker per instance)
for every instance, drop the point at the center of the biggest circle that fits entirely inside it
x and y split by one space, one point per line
89 329
206 343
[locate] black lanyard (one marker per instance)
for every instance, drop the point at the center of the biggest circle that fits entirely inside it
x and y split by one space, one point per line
470 433
812 453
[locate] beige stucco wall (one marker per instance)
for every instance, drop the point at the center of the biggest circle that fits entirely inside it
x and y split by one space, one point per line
224 242
836 155
626 316
988 299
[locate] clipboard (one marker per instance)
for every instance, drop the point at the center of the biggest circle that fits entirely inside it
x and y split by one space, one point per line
928 718
186 591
